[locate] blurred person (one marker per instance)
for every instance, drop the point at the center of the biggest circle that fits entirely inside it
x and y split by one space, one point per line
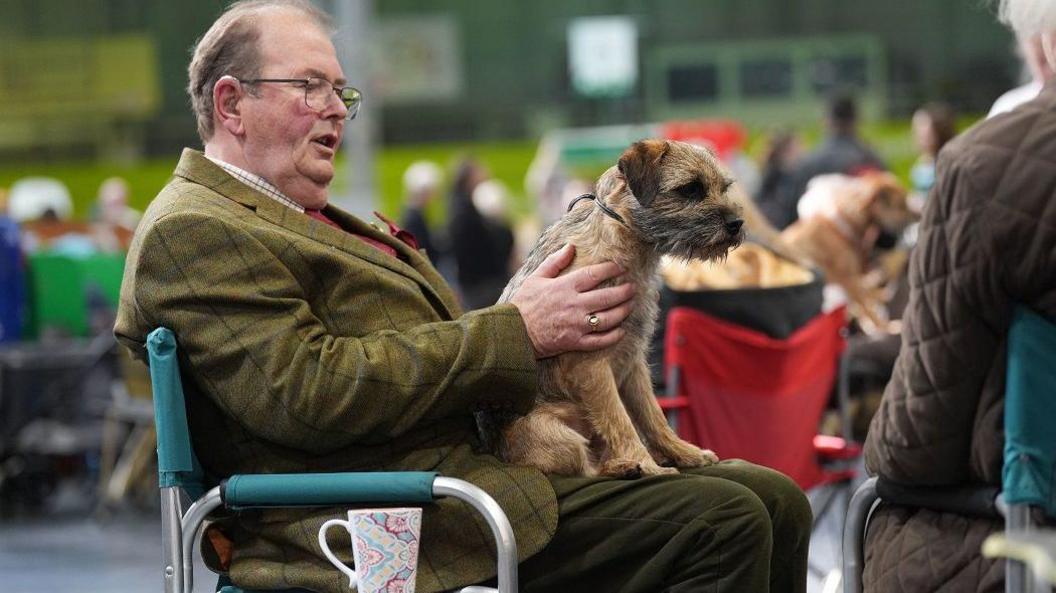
777 195
492 199
421 185
44 209
311 341
985 244
933 125
481 261
1030 51
112 204
12 275
31 198
546 181
841 151
115 220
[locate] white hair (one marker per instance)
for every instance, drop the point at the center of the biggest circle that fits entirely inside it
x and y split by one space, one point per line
1028 17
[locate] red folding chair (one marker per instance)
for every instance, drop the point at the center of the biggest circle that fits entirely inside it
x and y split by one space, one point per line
750 396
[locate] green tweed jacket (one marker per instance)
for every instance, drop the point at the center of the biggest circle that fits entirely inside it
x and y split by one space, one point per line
305 349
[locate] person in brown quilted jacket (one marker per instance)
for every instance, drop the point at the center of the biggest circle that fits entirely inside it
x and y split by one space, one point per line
987 241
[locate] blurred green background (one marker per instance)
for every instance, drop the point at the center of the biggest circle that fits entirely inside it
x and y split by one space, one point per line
95 88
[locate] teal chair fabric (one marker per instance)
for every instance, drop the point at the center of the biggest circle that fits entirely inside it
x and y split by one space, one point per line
1030 410
328 489
177 463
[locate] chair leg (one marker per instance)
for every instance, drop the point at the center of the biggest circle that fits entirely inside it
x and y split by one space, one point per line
171 539
107 456
854 527
137 450
1017 578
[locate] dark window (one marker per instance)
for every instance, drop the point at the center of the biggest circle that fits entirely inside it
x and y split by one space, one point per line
828 73
693 83
766 78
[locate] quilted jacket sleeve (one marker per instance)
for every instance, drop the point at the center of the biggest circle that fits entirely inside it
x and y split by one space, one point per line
261 353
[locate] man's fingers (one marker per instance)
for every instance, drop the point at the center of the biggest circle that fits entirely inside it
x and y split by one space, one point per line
555 262
606 298
598 340
590 276
611 318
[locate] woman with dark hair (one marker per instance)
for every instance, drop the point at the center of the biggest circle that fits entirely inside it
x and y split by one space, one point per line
934 125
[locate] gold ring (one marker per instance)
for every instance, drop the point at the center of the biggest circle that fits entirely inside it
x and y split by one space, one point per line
593 322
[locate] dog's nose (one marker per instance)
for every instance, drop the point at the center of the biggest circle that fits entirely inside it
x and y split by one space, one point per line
734 226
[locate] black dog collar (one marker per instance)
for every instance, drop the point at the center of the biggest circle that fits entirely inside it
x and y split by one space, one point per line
608 211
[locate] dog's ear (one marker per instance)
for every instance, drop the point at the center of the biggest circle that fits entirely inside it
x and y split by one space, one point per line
640 165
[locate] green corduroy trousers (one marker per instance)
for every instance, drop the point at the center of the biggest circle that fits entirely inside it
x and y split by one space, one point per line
731 527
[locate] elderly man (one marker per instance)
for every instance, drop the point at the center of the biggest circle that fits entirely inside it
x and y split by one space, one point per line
986 244
311 341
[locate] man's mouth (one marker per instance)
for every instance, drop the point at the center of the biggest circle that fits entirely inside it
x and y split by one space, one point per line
326 140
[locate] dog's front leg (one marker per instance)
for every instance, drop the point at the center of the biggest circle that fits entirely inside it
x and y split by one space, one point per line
664 445
590 378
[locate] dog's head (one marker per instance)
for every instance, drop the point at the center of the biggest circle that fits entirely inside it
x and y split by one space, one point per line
681 204
886 201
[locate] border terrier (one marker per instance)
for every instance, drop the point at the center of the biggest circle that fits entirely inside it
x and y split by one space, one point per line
595 412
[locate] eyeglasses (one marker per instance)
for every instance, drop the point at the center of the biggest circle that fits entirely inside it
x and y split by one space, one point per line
317 92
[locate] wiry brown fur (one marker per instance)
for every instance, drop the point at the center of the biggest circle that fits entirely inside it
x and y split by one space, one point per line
596 412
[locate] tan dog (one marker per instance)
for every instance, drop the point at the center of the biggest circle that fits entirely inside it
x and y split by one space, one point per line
840 220
596 412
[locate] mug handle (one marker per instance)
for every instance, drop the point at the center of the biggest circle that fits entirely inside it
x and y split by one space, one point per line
330 555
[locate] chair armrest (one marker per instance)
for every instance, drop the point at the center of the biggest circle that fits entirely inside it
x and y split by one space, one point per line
672 403
1037 550
274 490
974 501
835 448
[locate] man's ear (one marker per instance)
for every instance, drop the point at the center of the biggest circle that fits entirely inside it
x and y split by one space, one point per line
227 107
640 165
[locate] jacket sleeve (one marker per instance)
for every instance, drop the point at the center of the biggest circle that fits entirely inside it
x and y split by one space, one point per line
246 329
953 336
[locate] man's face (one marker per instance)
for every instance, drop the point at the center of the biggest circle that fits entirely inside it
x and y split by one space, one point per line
287 142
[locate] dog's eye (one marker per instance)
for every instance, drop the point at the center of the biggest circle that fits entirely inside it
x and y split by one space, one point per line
693 190
726 185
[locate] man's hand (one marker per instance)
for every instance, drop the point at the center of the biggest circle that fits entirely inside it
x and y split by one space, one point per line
556 310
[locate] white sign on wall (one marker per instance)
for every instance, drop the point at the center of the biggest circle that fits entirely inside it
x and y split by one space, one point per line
603 55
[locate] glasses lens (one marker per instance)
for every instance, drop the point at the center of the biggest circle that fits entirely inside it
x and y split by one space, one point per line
317 93
351 97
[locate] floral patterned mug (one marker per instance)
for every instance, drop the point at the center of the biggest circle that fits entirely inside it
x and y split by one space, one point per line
384 549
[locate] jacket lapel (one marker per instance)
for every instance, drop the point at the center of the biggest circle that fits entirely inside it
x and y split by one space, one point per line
196 167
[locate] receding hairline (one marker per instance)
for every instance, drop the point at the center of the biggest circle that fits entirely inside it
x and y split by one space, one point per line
320 20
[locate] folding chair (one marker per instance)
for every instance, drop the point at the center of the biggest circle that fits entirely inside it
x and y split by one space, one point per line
747 395
182 480
1029 460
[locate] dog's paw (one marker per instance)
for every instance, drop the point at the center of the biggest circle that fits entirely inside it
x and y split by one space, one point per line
687 456
633 468
709 457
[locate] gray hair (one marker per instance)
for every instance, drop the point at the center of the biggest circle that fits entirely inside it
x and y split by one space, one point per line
230 48
1028 17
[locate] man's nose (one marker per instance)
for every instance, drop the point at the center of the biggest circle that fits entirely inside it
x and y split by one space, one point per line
342 109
